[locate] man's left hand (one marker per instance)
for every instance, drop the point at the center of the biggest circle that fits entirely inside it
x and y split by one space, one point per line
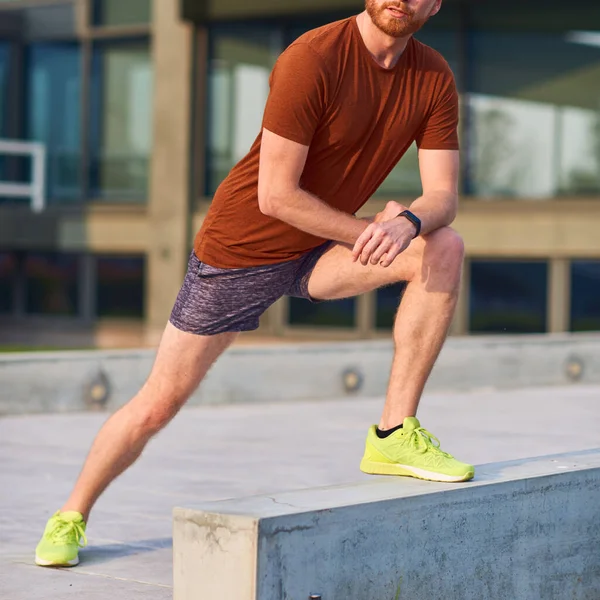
383 241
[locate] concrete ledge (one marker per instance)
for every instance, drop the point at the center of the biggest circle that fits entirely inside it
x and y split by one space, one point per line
74 381
521 531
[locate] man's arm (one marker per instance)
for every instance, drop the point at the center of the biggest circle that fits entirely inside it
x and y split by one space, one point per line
437 207
280 195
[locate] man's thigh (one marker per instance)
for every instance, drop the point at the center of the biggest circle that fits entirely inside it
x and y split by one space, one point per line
336 275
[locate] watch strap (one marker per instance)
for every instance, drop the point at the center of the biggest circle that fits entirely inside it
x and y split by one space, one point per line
413 219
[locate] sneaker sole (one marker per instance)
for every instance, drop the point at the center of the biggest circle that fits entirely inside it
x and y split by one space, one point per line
376 468
47 563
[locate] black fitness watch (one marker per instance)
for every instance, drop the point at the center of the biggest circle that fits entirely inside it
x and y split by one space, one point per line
413 219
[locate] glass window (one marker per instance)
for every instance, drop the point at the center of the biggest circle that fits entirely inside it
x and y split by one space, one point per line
52 284
335 313
121 128
534 101
508 297
8 275
388 299
241 60
118 12
585 295
53 114
120 286
4 116
4 58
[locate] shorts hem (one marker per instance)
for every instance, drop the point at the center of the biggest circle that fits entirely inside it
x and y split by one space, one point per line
207 331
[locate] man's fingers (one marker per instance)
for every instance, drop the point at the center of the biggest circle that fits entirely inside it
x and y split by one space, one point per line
383 247
371 246
361 242
391 255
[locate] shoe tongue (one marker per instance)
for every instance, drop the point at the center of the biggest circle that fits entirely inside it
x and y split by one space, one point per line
411 423
71 515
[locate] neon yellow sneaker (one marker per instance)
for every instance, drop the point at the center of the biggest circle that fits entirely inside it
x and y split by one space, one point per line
414 452
59 546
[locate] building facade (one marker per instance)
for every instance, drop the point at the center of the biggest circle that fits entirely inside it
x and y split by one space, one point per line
143 106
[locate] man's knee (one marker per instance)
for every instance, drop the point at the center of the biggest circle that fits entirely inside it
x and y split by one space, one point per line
150 412
157 417
444 249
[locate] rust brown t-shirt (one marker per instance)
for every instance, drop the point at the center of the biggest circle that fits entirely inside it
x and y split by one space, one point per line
327 92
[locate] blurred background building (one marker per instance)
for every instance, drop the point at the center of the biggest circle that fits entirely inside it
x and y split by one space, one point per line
143 106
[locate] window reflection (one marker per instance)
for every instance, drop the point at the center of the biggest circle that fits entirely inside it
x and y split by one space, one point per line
585 295
4 74
8 274
120 287
508 297
51 281
4 58
53 114
122 120
118 12
388 300
534 100
336 313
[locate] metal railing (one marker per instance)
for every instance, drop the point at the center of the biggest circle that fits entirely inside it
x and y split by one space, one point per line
36 190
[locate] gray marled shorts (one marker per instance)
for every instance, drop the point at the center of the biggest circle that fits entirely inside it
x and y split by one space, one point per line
213 300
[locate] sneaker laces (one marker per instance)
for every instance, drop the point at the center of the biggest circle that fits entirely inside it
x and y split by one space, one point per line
64 531
424 441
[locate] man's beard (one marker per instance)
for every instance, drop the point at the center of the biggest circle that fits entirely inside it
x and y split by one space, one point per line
393 27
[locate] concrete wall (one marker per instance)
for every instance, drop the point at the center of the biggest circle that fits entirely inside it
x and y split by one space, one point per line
72 381
521 531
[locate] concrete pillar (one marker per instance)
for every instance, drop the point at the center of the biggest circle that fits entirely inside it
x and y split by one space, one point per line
365 318
460 322
275 319
87 288
559 295
168 208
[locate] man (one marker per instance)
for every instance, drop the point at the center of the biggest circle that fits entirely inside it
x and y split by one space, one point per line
347 100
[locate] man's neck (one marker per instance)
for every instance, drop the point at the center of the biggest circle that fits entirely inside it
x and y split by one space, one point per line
385 49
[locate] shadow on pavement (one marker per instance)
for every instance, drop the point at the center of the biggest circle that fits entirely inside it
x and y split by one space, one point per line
94 555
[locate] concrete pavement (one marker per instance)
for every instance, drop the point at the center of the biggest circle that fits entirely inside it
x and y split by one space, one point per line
217 452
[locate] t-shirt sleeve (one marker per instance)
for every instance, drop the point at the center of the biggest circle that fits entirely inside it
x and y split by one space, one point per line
440 131
296 101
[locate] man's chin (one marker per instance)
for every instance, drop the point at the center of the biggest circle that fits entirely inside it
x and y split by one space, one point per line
396 30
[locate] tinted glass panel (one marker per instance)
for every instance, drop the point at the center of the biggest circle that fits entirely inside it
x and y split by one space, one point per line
8 273
51 284
508 297
533 96
121 128
4 116
120 287
585 295
53 114
388 299
338 313
4 58
119 12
